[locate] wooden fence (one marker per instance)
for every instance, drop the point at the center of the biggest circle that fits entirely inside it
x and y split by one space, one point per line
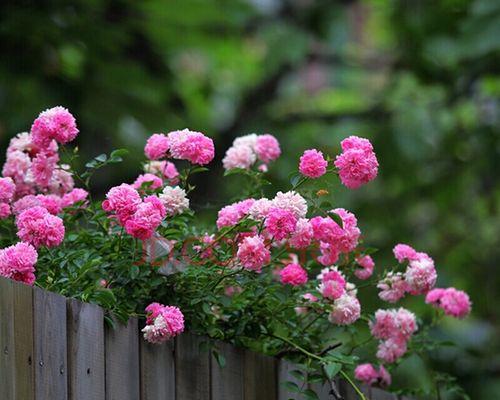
53 348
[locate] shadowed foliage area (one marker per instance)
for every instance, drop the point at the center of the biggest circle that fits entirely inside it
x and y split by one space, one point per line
419 78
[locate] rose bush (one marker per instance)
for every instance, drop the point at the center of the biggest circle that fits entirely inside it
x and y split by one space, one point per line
279 274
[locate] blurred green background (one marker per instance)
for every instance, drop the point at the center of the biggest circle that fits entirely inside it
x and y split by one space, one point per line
420 78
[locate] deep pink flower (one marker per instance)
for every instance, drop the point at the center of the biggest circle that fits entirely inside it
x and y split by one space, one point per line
395 327
40 228
393 287
404 252
77 195
233 213
163 323
355 142
192 146
303 234
158 204
385 324
18 262
123 200
293 274
453 302
366 263
348 241
7 190
43 167
61 181
157 146
357 164
253 253
366 373
267 148
147 217
239 157
55 123
291 201
16 167
280 223
312 164
434 296
329 254
384 377
420 276
391 350
332 284
5 210
326 230
24 203
346 310
50 202
153 182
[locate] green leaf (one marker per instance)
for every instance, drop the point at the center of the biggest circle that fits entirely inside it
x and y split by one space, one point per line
134 271
310 394
118 153
295 178
291 386
332 369
221 360
101 157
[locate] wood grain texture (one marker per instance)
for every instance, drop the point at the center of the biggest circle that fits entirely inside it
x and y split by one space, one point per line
23 342
157 370
122 361
50 345
7 350
261 375
192 378
228 382
85 351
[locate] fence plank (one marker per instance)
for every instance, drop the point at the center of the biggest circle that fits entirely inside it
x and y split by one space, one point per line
379 394
261 374
85 351
7 356
50 346
228 381
284 375
157 371
323 390
122 361
192 378
23 334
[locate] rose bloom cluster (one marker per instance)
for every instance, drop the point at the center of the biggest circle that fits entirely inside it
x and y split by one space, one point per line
453 302
370 375
188 145
357 165
32 159
419 277
35 188
162 323
247 150
37 192
394 329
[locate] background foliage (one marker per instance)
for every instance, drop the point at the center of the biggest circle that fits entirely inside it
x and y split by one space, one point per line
420 78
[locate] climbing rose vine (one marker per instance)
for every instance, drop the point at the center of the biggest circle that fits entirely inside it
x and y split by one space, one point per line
285 272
